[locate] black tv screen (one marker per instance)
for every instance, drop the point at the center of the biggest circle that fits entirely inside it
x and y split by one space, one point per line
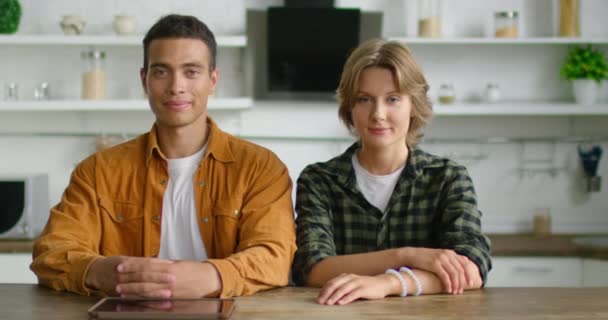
307 47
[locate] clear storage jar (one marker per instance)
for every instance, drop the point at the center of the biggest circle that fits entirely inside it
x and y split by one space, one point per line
94 75
492 92
446 94
11 91
569 18
506 24
429 18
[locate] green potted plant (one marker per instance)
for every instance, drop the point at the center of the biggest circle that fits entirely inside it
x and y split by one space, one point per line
10 15
586 67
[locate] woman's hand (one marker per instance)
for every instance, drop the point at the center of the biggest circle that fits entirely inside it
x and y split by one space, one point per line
346 288
452 269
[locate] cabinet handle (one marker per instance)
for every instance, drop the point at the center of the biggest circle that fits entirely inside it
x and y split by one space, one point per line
533 269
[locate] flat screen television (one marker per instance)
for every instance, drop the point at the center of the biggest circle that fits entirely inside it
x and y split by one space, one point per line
307 47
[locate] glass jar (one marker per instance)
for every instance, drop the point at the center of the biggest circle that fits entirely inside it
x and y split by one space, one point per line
492 92
569 23
541 225
506 24
42 91
429 18
446 94
94 75
11 91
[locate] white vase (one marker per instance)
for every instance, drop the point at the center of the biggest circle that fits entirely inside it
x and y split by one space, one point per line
585 91
72 24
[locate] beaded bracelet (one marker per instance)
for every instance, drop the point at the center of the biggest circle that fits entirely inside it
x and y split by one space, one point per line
414 277
400 277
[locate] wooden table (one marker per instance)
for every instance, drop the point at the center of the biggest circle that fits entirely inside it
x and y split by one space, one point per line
21 301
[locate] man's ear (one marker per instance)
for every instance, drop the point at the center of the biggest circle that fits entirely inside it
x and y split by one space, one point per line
142 75
215 75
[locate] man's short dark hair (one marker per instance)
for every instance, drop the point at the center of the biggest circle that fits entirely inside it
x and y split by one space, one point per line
179 26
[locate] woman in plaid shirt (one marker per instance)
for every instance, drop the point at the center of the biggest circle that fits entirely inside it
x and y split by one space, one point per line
386 218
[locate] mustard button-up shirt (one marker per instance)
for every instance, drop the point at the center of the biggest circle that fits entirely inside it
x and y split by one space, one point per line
113 206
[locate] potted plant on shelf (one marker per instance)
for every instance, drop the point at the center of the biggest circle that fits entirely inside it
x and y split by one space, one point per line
586 67
10 15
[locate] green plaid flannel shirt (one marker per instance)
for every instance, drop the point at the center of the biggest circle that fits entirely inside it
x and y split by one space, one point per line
433 205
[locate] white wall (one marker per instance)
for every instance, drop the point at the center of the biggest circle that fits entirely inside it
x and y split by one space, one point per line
524 72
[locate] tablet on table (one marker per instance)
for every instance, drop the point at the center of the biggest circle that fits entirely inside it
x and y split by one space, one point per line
151 308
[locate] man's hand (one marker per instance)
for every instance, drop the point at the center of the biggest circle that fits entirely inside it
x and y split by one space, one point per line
152 277
103 275
346 288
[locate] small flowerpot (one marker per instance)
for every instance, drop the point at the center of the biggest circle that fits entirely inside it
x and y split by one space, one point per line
585 91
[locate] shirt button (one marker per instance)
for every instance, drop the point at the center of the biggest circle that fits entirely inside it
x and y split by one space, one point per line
156 217
120 217
236 212
201 183
163 181
205 219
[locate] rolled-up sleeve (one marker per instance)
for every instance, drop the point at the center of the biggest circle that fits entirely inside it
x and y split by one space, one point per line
70 241
314 231
461 221
266 241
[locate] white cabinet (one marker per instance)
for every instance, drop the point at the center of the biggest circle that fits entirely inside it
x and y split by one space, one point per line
595 273
535 272
16 268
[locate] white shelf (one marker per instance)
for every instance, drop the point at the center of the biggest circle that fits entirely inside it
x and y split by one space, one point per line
241 40
507 108
489 40
103 40
517 108
520 109
228 104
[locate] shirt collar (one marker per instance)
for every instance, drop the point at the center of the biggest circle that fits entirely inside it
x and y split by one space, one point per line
218 145
341 166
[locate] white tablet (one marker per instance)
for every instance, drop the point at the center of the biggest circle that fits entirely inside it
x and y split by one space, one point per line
149 308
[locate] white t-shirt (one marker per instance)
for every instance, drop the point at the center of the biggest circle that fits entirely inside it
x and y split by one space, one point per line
377 190
180 237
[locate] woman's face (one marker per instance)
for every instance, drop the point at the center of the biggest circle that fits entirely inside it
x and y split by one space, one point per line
381 115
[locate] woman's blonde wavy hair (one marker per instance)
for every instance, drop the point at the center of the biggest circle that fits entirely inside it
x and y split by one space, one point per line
408 76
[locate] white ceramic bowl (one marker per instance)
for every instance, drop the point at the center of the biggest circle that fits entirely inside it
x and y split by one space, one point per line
124 24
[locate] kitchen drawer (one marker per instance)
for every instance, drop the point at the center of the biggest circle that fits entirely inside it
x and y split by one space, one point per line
535 272
16 268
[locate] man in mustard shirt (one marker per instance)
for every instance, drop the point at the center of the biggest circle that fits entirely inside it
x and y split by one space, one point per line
185 210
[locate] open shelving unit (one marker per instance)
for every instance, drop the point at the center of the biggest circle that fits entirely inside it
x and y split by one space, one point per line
233 104
492 40
506 108
520 108
132 41
102 40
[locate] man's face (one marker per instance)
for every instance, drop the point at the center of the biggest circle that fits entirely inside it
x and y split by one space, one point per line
178 82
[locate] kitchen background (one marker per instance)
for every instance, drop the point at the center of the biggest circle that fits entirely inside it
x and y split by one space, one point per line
520 151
